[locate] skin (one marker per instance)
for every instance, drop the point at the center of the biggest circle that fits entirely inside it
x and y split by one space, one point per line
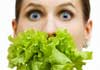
52 18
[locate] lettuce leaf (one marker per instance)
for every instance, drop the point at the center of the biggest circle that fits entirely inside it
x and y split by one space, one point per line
35 50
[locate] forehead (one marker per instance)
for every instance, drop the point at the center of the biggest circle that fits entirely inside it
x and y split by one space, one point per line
51 3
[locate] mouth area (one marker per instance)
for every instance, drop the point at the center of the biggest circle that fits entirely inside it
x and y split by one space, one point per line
35 50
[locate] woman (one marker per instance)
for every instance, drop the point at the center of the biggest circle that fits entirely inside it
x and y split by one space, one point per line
48 15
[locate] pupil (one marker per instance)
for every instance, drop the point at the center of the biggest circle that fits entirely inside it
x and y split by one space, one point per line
65 15
35 16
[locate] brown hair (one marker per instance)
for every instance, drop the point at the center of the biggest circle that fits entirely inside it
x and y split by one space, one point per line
18 5
85 9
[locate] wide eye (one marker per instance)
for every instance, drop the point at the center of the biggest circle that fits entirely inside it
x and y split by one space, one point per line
65 15
34 15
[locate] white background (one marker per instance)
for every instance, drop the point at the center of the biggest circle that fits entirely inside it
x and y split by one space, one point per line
7 8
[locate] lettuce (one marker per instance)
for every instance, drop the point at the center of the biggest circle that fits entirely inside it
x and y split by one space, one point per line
35 50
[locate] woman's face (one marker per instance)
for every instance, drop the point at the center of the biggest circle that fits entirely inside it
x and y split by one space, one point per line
48 15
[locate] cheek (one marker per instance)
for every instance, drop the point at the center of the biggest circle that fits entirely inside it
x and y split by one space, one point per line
77 32
76 29
25 25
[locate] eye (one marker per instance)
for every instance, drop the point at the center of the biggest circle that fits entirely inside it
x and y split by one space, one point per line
34 15
65 15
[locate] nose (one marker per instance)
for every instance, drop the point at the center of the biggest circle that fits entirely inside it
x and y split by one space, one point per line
50 26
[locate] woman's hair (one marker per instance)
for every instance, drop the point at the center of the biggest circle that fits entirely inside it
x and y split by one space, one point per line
85 9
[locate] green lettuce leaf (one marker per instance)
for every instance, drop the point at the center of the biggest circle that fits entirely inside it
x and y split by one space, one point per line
35 50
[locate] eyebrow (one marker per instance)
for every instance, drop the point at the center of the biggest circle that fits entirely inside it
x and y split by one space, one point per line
40 6
35 5
66 4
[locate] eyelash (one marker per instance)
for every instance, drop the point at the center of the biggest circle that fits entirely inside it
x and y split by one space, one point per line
34 11
43 14
66 11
